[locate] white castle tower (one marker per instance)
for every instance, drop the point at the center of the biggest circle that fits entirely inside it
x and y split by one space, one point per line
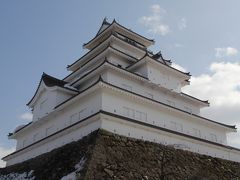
122 87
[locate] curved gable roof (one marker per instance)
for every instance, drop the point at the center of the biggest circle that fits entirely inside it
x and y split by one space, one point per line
48 81
119 26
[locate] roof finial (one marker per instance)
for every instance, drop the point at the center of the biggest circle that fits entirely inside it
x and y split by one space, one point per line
105 21
105 59
159 53
114 20
100 78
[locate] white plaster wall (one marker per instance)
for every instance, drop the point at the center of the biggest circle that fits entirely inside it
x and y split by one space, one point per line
45 104
47 101
62 96
119 80
116 102
87 105
128 49
164 78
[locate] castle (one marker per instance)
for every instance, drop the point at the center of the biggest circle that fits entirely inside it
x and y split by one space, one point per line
122 87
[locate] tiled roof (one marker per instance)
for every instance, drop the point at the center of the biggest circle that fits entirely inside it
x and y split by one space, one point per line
50 81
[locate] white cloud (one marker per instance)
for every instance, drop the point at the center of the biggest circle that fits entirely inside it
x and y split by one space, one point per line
177 66
221 87
154 22
4 152
227 51
178 45
157 9
182 24
26 116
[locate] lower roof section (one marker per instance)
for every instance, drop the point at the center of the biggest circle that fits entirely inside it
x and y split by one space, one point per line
101 83
99 116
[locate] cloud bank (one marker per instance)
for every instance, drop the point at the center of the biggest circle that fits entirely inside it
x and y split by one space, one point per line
26 116
225 52
4 152
182 24
154 22
222 87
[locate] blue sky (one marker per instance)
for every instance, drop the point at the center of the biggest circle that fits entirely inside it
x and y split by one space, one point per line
45 36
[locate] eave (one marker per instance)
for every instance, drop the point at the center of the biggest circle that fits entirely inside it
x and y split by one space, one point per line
123 118
49 82
106 62
101 83
205 103
231 128
78 63
147 58
114 26
105 50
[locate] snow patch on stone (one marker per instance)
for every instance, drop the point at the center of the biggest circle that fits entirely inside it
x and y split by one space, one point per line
78 167
22 176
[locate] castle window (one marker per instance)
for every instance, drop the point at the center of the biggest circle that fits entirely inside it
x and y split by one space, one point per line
213 137
144 116
176 126
24 143
187 109
138 115
141 115
49 130
129 112
196 132
35 137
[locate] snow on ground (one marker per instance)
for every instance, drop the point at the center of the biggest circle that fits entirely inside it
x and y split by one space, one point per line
17 176
78 167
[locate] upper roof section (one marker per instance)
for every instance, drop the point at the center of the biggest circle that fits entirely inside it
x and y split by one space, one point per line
107 28
52 81
49 82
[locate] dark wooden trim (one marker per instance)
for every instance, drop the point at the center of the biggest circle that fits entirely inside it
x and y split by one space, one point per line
103 50
228 126
105 30
105 61
203 101
58 83
129 120
166 130
146 55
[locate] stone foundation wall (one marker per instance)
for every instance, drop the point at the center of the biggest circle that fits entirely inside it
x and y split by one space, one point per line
110 156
